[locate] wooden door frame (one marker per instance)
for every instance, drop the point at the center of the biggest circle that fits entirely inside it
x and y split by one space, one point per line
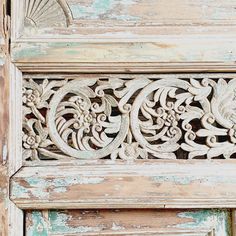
19 66
16 209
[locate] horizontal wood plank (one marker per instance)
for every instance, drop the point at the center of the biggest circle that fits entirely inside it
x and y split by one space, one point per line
129 222
124 36
163 55
109 18
152 184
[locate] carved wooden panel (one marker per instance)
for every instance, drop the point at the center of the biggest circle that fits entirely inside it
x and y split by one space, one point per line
174 116
129 222
131 35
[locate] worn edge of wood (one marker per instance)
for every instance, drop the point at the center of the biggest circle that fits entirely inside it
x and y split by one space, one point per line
53 172
126 67
233 222
16 223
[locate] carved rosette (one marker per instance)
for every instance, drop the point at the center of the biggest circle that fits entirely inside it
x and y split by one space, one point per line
90 118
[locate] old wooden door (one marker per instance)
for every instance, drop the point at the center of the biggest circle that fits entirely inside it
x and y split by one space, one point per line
122 117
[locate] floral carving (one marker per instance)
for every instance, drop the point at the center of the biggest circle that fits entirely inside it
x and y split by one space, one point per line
129 119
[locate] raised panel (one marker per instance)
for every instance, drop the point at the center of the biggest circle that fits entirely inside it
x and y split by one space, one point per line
127 36
128 222
121 19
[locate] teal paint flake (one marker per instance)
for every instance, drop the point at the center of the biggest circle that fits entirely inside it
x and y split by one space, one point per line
58 225
39 225
220 220
100 8
36 185
28 51
59 185
19 191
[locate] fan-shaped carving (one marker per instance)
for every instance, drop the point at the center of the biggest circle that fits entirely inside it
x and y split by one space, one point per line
47 13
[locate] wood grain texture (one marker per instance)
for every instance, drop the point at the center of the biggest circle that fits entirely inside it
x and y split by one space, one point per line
3 201
151 184
129 222
233 222
127 36
4 181
120 19
147 55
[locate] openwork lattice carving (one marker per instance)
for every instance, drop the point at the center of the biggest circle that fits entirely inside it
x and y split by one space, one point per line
125 118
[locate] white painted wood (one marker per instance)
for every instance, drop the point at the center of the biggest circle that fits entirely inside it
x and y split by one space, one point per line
147 184
127 117
15 147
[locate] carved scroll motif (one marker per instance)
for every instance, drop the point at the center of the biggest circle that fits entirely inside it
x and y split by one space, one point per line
129 118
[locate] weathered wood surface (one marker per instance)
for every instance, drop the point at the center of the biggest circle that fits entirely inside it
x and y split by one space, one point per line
3 124
125 19
151 184
149 56
138 35
128 222
3 201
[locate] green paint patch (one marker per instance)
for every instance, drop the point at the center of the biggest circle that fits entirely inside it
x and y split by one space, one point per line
219 220
59 225
39 226
19 191
36 185
100 9
31 51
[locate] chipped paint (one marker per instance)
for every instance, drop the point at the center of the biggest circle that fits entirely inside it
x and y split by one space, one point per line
58 224
219 220
36 184
4 153
76 222
39 226
102 9
2 61
117 227
185 180
19 191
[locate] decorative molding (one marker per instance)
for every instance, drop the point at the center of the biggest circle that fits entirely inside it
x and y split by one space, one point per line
167 117
161 184
44 13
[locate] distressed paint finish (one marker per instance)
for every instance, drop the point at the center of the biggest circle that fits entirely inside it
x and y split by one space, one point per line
128 222
3 201
178 50
3 123
164 184
128 36
107 18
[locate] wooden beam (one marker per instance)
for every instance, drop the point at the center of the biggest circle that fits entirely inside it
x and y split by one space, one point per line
206 222
151 184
